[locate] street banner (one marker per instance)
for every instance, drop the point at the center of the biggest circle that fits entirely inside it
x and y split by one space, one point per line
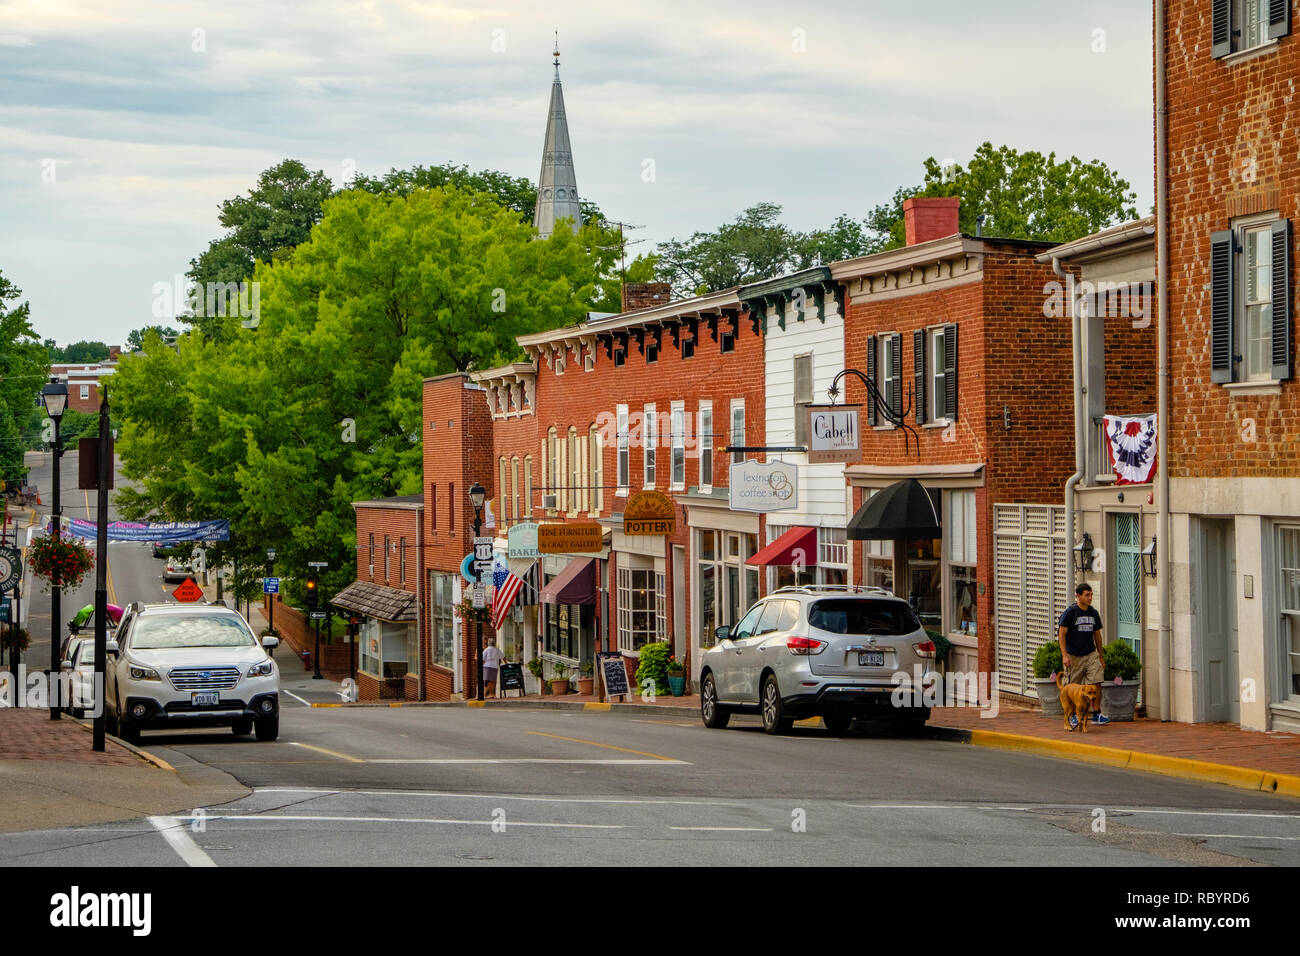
763 486
1131 442
164 532
833 434
649 512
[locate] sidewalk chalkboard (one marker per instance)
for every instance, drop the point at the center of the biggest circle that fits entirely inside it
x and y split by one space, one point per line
512 678
614 674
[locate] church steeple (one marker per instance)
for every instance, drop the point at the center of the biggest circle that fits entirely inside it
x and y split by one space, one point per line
557 185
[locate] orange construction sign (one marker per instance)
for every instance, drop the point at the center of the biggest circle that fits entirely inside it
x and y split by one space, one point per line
188 591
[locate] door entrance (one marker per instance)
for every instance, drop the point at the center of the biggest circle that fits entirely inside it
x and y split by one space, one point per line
1218 613
1128 580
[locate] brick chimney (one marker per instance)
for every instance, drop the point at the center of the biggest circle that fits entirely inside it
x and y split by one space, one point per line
930 218
644 295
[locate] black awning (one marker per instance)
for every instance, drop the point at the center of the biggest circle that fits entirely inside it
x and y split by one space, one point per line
905 509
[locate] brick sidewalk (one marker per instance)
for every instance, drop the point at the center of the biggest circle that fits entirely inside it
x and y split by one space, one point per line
27 734
1225 744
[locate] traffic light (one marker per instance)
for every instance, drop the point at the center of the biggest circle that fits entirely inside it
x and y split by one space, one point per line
311 591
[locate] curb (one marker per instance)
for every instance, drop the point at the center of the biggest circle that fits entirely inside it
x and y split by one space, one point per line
140 752
588 706
1184 768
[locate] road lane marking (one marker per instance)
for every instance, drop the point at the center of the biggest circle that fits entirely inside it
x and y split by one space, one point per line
313 818
499 796
1081 809
330 753
592 743
173 831
1236 836
295 697
667 723
654 761
726 829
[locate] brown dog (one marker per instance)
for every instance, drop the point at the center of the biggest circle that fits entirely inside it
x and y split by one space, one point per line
1080 699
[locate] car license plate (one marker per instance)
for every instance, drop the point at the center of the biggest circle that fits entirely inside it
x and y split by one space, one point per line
871 658
205 698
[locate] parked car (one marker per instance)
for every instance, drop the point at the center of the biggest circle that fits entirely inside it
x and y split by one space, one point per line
79 661
828 651
177 569
190 665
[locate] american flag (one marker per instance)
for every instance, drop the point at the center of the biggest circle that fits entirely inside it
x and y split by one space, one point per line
506 584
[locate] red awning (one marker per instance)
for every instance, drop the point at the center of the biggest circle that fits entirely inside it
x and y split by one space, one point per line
576 584
783 550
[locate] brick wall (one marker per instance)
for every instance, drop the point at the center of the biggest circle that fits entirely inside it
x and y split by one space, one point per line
1234 148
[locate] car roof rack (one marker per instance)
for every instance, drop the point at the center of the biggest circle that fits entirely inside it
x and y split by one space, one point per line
834 589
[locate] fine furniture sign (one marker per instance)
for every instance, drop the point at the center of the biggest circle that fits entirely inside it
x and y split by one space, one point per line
579 537
649 512
833 434
764 486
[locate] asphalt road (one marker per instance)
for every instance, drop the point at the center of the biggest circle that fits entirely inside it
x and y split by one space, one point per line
508 786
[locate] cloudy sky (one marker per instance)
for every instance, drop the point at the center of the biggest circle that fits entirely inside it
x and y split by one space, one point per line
123 124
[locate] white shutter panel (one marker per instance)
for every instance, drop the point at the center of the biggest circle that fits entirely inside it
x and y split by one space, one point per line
1008 602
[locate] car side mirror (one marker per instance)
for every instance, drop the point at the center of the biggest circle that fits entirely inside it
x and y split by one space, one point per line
66 665
110 647
270 643
722 633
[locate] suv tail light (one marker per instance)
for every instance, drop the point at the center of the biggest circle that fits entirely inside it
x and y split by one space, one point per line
805 645
924 648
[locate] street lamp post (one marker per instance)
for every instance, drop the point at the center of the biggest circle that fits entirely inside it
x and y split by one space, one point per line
477 494
55 396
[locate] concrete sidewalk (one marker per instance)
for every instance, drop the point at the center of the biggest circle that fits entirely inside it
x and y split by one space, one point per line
50 777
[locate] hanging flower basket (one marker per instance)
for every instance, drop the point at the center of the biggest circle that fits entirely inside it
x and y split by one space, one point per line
60 562
471 614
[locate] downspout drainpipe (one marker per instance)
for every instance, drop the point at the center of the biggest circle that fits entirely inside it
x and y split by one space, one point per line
421 597
1164 544
1077 406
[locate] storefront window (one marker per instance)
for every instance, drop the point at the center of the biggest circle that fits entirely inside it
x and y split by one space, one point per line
370 647
1288 540
924 581
727 586
563 633
640 608
441 618
962 562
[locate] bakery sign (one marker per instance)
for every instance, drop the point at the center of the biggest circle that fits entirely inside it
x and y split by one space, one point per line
649 512
763 486
833 434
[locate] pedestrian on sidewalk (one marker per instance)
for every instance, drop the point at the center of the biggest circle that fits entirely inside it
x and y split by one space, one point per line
492 658
1079 634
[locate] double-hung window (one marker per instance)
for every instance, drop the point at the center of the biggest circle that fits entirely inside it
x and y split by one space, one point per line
960 531
890 381
803 396
650 433
1250 302
624 459
1237 25
678 424
737 430
706 444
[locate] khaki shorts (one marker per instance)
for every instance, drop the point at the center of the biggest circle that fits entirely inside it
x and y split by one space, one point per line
1085 670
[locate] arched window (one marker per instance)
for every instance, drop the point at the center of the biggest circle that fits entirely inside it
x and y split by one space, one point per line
528 487
514 489
502 503
594 469
575 476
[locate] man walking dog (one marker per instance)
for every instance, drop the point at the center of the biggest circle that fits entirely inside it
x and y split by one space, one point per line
1079 634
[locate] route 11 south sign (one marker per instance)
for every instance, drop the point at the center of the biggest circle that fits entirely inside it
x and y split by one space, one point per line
833 434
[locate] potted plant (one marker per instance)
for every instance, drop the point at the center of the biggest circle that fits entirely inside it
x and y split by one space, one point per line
560 679
1120 688
586 682
1047 663
60 562
535 668
654 667
676 677
15 640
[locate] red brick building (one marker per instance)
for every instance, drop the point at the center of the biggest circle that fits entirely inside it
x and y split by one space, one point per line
1231 173
972 400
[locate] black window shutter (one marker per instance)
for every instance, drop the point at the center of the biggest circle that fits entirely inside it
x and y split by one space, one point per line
1221 319
1282 299
1279 18
950 369
896 351
871 376
1221 28
918 366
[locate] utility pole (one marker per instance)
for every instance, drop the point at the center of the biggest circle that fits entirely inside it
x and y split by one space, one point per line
103 476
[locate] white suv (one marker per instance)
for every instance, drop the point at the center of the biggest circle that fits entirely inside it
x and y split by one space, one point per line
188 665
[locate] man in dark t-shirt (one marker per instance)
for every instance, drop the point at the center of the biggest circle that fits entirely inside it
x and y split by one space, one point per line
1079 634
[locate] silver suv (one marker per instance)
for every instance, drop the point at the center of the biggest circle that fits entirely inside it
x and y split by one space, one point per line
828 651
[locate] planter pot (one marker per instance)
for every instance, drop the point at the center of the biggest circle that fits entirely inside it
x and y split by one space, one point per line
1049 695
541 687
1118 701
559 687
585 685
677 685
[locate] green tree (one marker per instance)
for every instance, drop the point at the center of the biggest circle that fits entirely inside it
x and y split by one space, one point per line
1021 195
135 339
78 353
279 428
24 367
755 245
